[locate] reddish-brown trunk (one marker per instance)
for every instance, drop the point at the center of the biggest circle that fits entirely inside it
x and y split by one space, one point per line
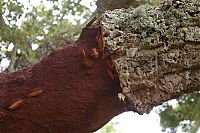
70 91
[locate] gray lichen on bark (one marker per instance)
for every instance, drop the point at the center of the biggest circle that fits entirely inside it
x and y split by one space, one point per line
156 50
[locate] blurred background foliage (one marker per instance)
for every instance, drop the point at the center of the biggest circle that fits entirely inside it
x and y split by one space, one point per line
111 127
185 115
31 29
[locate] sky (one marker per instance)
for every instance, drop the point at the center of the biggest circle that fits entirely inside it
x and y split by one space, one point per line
130 122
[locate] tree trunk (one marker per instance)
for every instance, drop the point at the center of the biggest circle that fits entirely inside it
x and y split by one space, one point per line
144 56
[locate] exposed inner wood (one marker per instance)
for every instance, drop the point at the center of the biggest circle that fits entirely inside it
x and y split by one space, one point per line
69 91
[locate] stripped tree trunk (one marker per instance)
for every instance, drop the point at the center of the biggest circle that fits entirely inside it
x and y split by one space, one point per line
143 56
68 91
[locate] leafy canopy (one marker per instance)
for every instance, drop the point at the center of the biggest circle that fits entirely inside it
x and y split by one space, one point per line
26 25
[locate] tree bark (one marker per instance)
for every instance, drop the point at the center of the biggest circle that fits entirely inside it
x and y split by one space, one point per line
140 55
156 51
68 91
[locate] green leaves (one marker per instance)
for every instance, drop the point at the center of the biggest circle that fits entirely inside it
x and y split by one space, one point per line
109 128
49 23
185 115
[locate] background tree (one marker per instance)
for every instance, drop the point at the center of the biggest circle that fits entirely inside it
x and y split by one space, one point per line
184 115
26 27
109 128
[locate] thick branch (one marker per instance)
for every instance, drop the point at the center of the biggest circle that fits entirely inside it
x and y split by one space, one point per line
152 53
156 51
68 91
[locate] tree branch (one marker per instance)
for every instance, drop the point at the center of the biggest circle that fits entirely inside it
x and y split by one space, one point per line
68 91
146 56
155 50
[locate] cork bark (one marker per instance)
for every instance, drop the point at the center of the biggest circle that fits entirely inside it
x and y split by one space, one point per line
156 51
128 59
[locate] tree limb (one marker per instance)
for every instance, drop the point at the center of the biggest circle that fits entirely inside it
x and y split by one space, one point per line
68 91
142 55
156 51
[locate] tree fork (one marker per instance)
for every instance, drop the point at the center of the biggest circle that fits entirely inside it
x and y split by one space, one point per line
146 56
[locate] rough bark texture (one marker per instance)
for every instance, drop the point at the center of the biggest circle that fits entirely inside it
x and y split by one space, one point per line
156 51
70 91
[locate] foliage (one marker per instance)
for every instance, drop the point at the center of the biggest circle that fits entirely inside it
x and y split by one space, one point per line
184 115
109 128
26 25
155 2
